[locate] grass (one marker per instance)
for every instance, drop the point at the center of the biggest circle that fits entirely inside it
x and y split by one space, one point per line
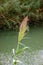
21 34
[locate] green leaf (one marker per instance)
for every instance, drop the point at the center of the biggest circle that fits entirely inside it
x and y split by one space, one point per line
21 50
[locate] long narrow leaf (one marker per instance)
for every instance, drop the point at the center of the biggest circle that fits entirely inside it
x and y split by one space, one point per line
21 50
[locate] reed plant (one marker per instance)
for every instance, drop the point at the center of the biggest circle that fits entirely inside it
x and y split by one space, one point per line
21 35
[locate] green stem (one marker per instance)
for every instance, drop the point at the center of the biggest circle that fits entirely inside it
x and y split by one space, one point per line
18 46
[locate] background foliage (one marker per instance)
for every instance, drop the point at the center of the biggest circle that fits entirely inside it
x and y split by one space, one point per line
12 13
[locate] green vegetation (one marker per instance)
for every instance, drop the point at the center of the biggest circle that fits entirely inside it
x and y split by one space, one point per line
12 12
20 37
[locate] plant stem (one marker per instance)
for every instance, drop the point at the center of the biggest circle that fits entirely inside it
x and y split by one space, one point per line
18 46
